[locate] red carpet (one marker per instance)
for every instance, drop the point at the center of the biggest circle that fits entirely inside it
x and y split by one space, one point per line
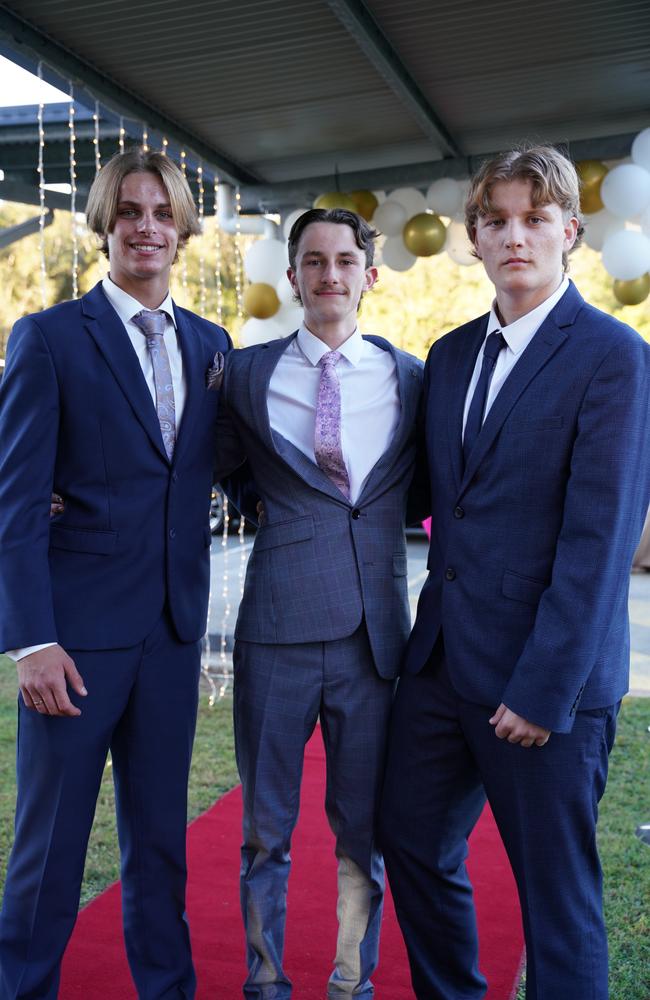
95 965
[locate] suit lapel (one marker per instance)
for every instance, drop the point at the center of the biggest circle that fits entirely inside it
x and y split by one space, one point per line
194 366
548 339
466 353
107 330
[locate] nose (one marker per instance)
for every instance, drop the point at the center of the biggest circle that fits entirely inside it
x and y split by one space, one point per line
513 234
147 222
329 273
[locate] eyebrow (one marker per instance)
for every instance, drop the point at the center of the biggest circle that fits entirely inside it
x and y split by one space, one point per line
339 253
136 204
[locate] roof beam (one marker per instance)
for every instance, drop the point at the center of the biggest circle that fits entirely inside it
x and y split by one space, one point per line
25 45
358 20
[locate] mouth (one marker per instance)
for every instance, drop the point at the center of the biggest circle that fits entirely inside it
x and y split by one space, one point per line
515 260
146 248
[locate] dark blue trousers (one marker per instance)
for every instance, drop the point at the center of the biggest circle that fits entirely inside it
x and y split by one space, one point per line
443 760
141 706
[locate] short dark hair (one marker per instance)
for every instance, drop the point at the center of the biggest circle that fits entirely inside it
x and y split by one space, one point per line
364 234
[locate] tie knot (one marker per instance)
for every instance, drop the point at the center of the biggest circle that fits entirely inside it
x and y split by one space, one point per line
151 322
330 359
493 345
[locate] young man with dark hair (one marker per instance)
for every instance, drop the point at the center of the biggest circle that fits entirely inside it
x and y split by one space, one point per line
326 420
537 433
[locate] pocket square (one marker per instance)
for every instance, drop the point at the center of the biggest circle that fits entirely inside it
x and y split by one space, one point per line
214 374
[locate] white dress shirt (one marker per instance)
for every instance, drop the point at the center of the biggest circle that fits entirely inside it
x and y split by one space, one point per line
126 308
370 403
517 336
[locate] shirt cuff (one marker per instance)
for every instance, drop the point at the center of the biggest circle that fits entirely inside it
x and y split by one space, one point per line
19 654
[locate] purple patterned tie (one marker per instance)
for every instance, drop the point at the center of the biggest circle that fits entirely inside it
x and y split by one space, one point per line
327 432
152 324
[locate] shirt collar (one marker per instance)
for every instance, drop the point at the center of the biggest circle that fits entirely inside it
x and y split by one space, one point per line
313 348
126 306
519 334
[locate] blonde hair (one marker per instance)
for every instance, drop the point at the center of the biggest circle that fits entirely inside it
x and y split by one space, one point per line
553 178
103 197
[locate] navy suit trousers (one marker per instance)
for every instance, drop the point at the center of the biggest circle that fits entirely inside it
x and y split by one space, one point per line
443 760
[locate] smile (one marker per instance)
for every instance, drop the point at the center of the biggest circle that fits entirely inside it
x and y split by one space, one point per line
145 247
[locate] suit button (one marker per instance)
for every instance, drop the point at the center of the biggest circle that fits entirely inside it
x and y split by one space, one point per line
174 477
450 574
356 513
459 512
172 532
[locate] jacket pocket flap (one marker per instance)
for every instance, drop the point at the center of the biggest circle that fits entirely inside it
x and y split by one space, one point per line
522 588
284 533
100 543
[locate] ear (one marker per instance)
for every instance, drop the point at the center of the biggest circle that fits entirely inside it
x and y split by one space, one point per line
570 232
370 278
291 275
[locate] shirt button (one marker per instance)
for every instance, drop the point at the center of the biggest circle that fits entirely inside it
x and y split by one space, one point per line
459 512
450 574
172 532
356 513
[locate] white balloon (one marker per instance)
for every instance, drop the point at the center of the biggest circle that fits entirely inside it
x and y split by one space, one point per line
266 261
390 218
443 196
380 196
284 290
259 331
626 254
458 245
643 220
289 317
395 255
626 190
291 218
413 200
599 226
641 149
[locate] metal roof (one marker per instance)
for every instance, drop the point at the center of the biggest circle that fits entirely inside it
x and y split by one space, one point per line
282 97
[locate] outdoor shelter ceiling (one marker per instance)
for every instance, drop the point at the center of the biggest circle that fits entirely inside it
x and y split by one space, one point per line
290 99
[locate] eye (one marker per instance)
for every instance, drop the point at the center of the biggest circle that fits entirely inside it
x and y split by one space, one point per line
535 220
165 214
494 223
127 213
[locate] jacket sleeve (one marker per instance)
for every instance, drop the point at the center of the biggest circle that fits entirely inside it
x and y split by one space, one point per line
606 499
29 423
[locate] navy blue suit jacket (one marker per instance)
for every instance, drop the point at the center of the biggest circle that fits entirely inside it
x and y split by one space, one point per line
532 541
76 416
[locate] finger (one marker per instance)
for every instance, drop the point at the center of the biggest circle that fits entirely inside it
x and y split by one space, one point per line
74 678
541 741
64 706
527 742
498 715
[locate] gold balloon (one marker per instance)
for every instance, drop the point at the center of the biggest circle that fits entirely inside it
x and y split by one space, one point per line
335 199
631 293
591 174
424 235
365 202
261 300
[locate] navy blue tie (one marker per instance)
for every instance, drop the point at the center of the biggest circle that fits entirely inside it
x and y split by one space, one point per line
474 422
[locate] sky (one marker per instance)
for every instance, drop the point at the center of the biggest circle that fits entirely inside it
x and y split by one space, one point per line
17 86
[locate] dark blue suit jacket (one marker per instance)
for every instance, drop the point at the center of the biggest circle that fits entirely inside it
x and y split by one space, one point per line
76 416
532 542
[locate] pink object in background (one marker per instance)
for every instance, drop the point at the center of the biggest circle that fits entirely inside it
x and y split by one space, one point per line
427 526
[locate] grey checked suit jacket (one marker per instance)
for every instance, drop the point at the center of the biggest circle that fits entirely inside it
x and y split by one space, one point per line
320 564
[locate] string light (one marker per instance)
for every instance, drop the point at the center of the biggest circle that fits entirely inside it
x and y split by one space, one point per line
217 248
41 195
145 138
184 256
202 295
239 264
98 161
165 144
227 608
120 141
73 197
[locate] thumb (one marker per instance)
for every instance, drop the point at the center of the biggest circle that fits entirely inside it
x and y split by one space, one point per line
498 715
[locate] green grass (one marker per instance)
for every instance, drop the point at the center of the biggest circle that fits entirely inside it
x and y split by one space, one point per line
626 860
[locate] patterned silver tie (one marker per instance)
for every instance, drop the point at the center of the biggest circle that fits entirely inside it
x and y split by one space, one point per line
152 324
327 431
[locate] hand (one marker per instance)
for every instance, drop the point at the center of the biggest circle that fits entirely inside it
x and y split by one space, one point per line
261 513
508 725
57 504
43 678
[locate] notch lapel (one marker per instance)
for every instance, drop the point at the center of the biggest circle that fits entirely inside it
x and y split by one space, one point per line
107 330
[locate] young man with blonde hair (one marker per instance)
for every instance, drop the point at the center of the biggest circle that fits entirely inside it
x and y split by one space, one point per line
537 434
108 401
